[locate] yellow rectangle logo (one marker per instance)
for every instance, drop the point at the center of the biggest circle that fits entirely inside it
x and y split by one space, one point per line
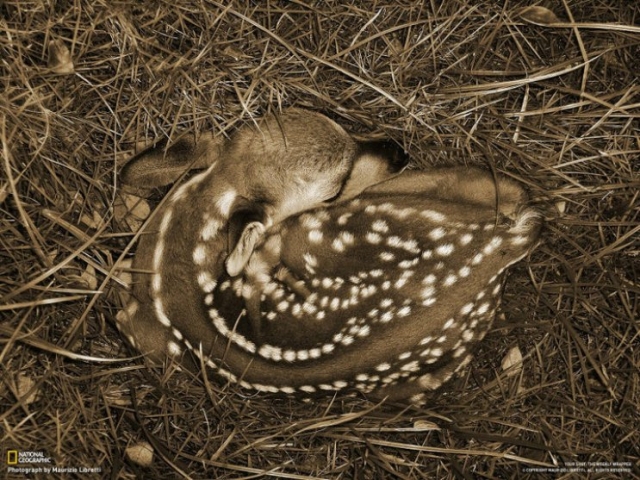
12 457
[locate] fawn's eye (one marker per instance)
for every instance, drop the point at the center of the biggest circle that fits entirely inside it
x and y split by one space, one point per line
334 197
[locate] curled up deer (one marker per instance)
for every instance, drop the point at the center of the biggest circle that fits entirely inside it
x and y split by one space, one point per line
303 260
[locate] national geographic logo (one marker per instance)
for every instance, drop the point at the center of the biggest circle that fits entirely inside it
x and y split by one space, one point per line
20 457
30 462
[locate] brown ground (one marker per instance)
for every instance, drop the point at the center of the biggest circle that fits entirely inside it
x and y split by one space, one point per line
555 105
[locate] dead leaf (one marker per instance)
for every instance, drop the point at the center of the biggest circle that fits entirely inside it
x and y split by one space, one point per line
235 53
123 274
60 58
89 277
512 362
140 453
538 15
425 425
131 209
4 192
23 386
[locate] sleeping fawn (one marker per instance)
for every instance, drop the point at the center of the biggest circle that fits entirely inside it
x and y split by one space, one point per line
301 261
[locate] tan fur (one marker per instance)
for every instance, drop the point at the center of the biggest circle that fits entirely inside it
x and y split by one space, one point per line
450 214
211 225
386 292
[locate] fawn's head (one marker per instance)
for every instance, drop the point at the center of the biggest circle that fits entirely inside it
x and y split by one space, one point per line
268 171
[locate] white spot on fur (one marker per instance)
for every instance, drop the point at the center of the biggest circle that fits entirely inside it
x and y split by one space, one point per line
428 292
315 236
166 220
156 282
373 238
429 382
380 226
465 239
335 304
210 229
315 353
459 351
225 202
383 367
270 352
477 259
387 256
449 280
405 355
206 282
160 315
338 245
466 309
519 240
344 218
282 306
433 216
437 233
482 309
326 282
364 331
395 241
413 366
492 245
310 259
370 209
411 246
445 250
429 279
328 348
158 255
408 263
200 254
347 340
346 238
173 349
311 222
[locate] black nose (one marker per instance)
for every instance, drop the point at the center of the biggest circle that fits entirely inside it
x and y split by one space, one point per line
390 151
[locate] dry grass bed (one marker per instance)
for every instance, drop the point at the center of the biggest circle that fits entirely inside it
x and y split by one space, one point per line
556 106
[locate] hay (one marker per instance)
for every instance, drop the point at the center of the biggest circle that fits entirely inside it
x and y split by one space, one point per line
555 106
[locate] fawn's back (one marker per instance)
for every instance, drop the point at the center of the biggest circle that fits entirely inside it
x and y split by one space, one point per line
404 281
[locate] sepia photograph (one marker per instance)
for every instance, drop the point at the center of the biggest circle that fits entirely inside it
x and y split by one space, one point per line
307 239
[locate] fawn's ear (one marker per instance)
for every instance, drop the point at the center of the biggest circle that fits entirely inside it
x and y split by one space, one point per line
158 165
247 226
